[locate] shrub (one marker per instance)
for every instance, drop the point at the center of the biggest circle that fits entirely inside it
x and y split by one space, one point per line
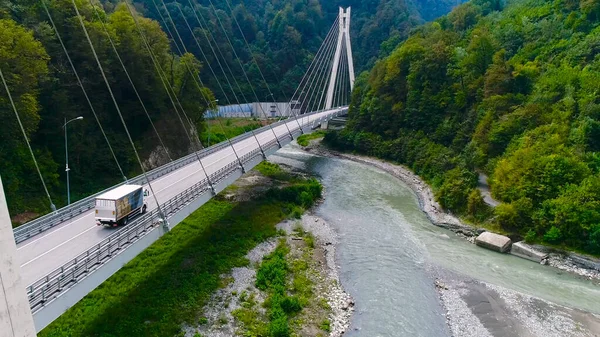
290 305
454 192
553 236
530 236
325 325
279 327
593 244
476 207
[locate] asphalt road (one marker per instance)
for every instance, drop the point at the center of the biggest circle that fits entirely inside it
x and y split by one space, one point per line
49 250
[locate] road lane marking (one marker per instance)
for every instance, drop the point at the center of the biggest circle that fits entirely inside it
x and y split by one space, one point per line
56 247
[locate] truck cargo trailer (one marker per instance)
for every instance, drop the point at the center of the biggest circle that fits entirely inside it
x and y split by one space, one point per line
118 206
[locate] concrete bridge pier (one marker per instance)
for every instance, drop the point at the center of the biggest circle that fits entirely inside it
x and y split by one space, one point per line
15 314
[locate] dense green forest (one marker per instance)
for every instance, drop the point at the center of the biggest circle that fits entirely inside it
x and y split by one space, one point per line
510 90
46 91
283 37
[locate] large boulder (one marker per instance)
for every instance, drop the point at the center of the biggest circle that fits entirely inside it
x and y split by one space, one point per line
493 241
521 249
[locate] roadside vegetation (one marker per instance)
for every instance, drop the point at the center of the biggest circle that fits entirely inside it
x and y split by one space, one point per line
305 139
509 91
217 130
170 282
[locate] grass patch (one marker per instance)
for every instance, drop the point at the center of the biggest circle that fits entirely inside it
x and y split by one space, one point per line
305 139
169 283
325 325
272 278
273 171
220 129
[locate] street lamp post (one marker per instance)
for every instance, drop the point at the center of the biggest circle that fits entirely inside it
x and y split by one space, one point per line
67 157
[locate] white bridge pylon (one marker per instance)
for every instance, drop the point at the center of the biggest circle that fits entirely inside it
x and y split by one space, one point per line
343 38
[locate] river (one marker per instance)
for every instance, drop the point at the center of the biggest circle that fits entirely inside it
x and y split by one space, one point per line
388 250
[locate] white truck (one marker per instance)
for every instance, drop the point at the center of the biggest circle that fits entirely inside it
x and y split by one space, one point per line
117 206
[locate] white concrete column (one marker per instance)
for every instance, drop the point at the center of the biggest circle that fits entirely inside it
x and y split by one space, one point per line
343 37
15 314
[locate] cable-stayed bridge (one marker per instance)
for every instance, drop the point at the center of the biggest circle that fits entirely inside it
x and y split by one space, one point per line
65 255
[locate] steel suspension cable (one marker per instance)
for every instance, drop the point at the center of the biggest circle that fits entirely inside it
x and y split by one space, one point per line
246 75
329 68
163 78
197 79
253 58
325 70
251 54
112 96
37 167
114 48
202 26
215 76
320 63
314 64
317 71
80 83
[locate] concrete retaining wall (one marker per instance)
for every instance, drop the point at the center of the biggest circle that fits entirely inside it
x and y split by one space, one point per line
497 242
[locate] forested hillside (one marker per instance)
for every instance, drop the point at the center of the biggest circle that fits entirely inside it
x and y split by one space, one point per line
512 92
46 92
283 35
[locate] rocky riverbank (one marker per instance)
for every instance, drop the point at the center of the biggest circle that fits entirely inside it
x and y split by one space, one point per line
569 262
240 302
476 308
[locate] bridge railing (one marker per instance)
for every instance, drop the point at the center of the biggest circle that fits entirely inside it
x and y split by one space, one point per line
61 279
50 220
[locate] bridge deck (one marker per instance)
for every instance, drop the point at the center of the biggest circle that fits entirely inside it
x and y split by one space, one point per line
49 250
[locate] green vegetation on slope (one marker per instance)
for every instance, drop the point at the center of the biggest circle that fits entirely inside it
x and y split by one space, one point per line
305 139
512 92
220 129
285 35
46 93
170 282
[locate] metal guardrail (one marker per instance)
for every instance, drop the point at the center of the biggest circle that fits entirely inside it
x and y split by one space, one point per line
50 220
61 279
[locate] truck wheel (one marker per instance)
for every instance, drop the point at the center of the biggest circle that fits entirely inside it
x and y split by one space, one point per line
125 221
144 209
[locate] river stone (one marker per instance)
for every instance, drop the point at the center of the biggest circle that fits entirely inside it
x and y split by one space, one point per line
493 241
521 249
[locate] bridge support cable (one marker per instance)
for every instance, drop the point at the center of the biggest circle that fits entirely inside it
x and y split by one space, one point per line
315 62
320 74
172 95
112 96
37 167
197 79
133 86
252 56
321 80
222 70
329 68
205 30
242 68
80 83
314 71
